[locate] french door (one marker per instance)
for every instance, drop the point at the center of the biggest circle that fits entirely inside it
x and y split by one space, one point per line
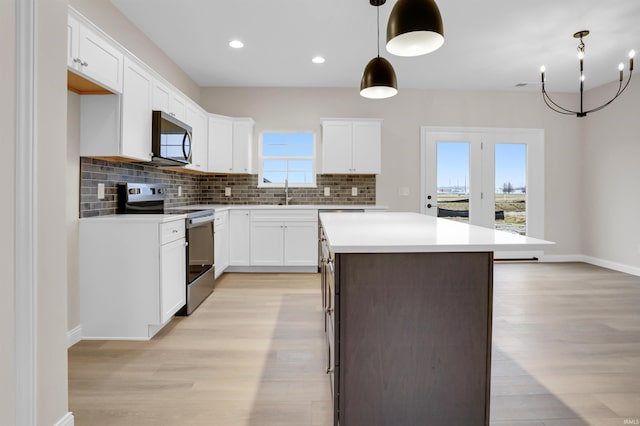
486 177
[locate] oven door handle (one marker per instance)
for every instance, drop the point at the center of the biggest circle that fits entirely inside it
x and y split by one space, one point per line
199 220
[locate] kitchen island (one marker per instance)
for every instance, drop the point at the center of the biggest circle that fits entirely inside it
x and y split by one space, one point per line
408 306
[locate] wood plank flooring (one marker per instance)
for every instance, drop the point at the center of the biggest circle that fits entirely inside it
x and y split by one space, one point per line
566 352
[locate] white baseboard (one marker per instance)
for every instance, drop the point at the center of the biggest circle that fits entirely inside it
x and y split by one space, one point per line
620 267
67 420
74 336
627 269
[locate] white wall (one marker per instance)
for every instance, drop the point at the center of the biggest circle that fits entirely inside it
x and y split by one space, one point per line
73 205
302 108
7 214
611 179
110 20
50 202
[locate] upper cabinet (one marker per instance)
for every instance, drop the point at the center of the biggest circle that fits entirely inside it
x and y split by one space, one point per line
197 118
351 146
168 100
119 126
230 142
92 56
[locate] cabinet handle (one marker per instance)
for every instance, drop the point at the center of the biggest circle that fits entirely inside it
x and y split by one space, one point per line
84 64
329 309
175 231
329 370
186 244
77 61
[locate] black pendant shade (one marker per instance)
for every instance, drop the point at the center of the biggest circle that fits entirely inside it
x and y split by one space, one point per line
378 80
414 28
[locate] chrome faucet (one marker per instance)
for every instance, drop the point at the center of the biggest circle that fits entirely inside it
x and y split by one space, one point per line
286 193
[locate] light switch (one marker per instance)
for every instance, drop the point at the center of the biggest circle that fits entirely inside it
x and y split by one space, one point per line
354 191
227 192
327 191
403 191
101 191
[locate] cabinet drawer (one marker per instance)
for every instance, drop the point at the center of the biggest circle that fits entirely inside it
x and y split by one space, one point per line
172 231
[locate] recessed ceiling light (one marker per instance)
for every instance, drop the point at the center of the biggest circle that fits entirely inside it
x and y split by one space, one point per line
318 60
236 44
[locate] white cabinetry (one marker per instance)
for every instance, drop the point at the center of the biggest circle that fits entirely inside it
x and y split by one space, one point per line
239 238
220 144
221 242
197 119
284 238
90 54
230 142
351 146
132 275
119 126
167 100
242 144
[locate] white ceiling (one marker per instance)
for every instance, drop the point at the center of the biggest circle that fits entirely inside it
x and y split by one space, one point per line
489 44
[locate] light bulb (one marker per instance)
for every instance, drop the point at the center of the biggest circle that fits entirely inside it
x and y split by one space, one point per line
621 66
632 53
543 68
581 54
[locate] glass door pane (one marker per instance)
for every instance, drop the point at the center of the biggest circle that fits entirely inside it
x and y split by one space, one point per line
453 180
511 188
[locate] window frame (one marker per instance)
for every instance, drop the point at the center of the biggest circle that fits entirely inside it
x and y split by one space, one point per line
261 159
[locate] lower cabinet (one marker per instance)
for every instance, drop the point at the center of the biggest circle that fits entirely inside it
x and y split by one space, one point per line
284 238
419 354
132 275
239 238
221 242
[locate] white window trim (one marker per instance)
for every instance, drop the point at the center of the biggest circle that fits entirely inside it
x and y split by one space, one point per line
313 159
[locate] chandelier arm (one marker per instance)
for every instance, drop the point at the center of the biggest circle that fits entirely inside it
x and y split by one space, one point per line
546 96
620 90
566 111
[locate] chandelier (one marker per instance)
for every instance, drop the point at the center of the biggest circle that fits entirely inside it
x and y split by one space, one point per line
582 113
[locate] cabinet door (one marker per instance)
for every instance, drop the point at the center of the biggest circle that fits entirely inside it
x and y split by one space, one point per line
177 107
239 238
242 144
221 242
220 144
199 138
160 97
366 147
136 112
73 36
100 60
267 244
337 147
301 244
173 278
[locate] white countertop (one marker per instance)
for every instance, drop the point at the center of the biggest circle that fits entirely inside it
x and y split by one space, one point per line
390 232
222 207
146 218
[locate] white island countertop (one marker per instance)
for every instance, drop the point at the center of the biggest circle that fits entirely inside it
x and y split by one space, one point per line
391 232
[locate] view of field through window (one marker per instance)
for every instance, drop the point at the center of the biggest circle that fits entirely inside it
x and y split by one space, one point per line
288 156
510 184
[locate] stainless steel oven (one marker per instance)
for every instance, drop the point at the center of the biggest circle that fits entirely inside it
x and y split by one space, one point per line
200 279
200 258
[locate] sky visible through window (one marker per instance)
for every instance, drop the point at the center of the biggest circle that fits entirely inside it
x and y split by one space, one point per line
288 156
453 166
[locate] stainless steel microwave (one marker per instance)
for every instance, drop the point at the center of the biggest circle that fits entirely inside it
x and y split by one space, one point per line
170 141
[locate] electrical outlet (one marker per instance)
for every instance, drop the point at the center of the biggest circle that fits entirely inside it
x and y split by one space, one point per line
354 191
327 191
101 191
179 191
227 192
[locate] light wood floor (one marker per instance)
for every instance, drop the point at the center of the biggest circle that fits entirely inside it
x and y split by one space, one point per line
566 352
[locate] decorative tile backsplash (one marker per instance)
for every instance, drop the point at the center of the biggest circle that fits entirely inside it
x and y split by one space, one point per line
210 189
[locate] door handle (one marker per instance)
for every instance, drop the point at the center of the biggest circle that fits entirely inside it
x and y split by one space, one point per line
429 206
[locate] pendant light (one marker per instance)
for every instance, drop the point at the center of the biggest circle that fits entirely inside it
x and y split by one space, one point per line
414 28
379 78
